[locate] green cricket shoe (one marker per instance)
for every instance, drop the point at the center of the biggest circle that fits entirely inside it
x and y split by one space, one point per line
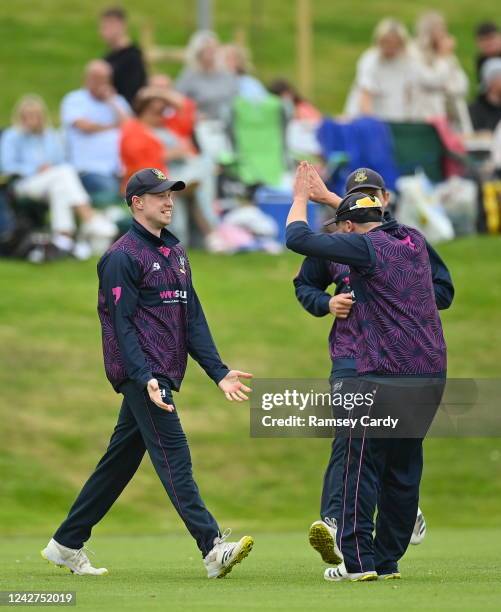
322 537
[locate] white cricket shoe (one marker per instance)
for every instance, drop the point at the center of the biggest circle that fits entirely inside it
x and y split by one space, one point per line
322 537
225 555
339 574
74 559
419 530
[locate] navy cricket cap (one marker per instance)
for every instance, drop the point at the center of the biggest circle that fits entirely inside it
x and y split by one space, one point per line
359 208
150 180
364 178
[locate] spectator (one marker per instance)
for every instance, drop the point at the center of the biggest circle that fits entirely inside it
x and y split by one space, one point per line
91 117
296 107
235 60
485 112
201 80
441 83
125 58
145 142
384 76
488 39
180 115
32 152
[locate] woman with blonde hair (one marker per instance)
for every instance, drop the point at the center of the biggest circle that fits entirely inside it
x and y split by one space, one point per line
32 153
203 80
441 83
383 81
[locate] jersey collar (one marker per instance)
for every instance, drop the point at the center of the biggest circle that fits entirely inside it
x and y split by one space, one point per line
166 238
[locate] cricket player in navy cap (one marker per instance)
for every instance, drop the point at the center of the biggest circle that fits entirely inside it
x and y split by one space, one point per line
151 320
311 283
399 335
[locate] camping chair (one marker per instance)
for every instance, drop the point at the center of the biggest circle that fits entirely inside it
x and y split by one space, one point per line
257 130
418 146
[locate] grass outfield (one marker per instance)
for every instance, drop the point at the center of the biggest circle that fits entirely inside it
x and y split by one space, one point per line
57 410
45 45
451 570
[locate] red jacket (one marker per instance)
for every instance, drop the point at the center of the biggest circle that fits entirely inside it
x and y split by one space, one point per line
140 148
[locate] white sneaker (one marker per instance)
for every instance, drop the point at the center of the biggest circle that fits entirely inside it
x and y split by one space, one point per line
322 537
221 559
99 226
339 574
419 530
73 558
82 250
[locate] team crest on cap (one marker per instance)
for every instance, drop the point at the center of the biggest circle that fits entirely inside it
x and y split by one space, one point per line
159 174
360 176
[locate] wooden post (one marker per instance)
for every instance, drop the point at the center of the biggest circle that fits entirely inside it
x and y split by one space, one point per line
304 48
204 15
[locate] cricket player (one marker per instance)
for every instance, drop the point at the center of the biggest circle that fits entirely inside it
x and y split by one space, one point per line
396 321
151 320
310 284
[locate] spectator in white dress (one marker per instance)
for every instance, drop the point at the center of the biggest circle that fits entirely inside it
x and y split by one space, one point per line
441 83
384 76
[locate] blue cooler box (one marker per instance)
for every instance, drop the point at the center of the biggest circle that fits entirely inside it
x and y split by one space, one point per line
276 203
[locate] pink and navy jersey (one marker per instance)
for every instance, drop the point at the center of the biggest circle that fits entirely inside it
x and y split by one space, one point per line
344 333
401 331
386 312
150 315
313 278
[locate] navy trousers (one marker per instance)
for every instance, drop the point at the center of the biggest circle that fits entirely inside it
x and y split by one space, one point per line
365 474
142 426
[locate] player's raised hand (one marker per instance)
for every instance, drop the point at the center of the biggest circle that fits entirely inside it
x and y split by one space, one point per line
156 397
232 388
340 305
301 183
318 191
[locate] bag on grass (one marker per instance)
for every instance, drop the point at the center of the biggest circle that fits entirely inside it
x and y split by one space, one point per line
418 207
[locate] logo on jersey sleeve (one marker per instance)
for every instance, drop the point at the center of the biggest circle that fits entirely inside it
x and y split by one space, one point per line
117 293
